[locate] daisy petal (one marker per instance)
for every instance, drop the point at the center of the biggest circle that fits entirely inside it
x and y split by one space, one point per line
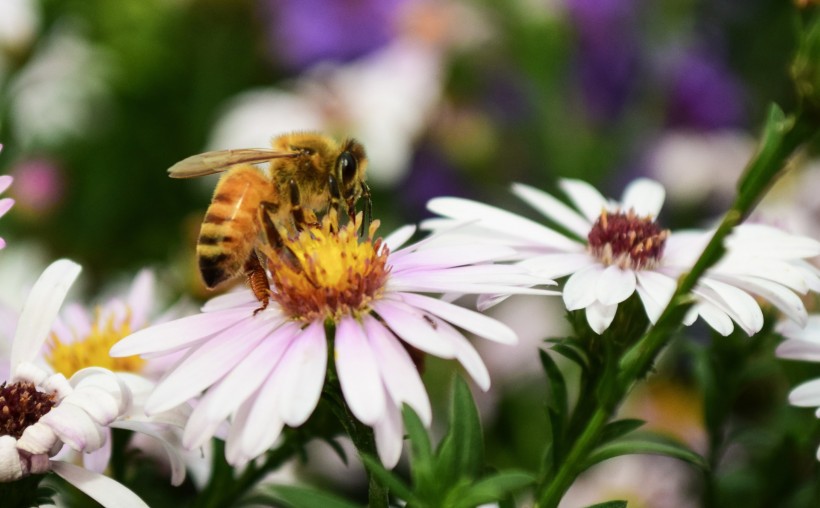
399 237
644 196
174 457
715 318
100 488
581 288
799 350
600 316
655 291
409 324
5 205
5 180
479 324
389 434
585 197
806 394
615 285
302 371
735 302
41 307
553 209
358 374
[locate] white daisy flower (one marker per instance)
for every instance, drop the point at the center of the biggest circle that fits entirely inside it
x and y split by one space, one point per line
613 249
802 343
263 370
42 412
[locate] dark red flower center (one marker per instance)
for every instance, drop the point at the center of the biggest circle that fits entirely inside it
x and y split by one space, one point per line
627 240
21 405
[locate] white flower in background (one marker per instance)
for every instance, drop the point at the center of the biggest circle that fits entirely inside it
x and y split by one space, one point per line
57 95
802 343
383 99
792 202
19 22
614 249
263 370
5 203
42 412
697 166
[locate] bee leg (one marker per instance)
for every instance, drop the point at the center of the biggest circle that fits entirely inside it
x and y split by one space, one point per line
271 233
258 281
299 217
368 210
335 196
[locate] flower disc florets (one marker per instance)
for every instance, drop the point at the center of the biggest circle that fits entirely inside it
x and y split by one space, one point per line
22 405
627 240
326 272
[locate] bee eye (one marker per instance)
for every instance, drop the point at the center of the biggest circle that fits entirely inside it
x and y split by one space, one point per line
348 166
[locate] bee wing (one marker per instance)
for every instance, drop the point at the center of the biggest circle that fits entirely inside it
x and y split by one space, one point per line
209 163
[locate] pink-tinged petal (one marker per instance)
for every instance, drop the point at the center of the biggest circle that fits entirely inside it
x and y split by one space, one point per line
431 283
715 318
644 196
600 316
781 297
553 209
585 197
199 429
100 405
2 243
5 181
555 266
737 303
243 297
233 441
173 452
655 291
303 375
74 427
799 350
472 321
207 364
399 237
358 372
100 488
11 468
501 221
399 373
261 425
5 205
409 324
97 460
466 355
389 434
141 298
181 333
806 394
37 438
41 307
808 333
615 285
451 255
581 288
77 319
249 374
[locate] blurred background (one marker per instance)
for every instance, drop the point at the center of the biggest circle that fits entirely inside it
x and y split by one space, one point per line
450 97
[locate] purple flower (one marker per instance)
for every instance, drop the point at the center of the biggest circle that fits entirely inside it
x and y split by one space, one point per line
304 32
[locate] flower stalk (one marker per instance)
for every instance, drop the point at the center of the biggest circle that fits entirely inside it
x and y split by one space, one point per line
782 136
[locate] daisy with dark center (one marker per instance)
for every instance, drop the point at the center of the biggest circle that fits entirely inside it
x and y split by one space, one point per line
265 370
613 249
41 412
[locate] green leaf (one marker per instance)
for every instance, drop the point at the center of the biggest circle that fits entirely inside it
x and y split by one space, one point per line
659 446
558 387
298 497
394 483
618 428
421 452
461 452
493 488
609 504
572 354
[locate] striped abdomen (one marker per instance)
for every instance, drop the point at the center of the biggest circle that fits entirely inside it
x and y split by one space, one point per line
230 228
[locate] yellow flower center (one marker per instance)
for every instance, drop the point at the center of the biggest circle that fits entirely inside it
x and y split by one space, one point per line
325 272
92 350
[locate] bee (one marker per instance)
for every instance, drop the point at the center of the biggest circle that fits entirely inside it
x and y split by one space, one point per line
308 174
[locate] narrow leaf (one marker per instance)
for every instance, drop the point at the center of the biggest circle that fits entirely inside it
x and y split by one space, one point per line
461 453
393 482
572 354
300 497
493 488
558 388
618 428
628 447
609 504
421 452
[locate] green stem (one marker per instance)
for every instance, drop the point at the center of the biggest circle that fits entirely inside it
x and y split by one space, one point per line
781 138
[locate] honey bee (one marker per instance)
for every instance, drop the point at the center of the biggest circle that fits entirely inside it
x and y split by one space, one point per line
309 173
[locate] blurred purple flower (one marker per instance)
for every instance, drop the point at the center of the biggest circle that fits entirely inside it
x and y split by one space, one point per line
38 185
304 32
704 94
430 176
608 53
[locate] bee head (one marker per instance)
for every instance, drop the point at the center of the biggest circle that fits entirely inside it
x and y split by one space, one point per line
350 169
